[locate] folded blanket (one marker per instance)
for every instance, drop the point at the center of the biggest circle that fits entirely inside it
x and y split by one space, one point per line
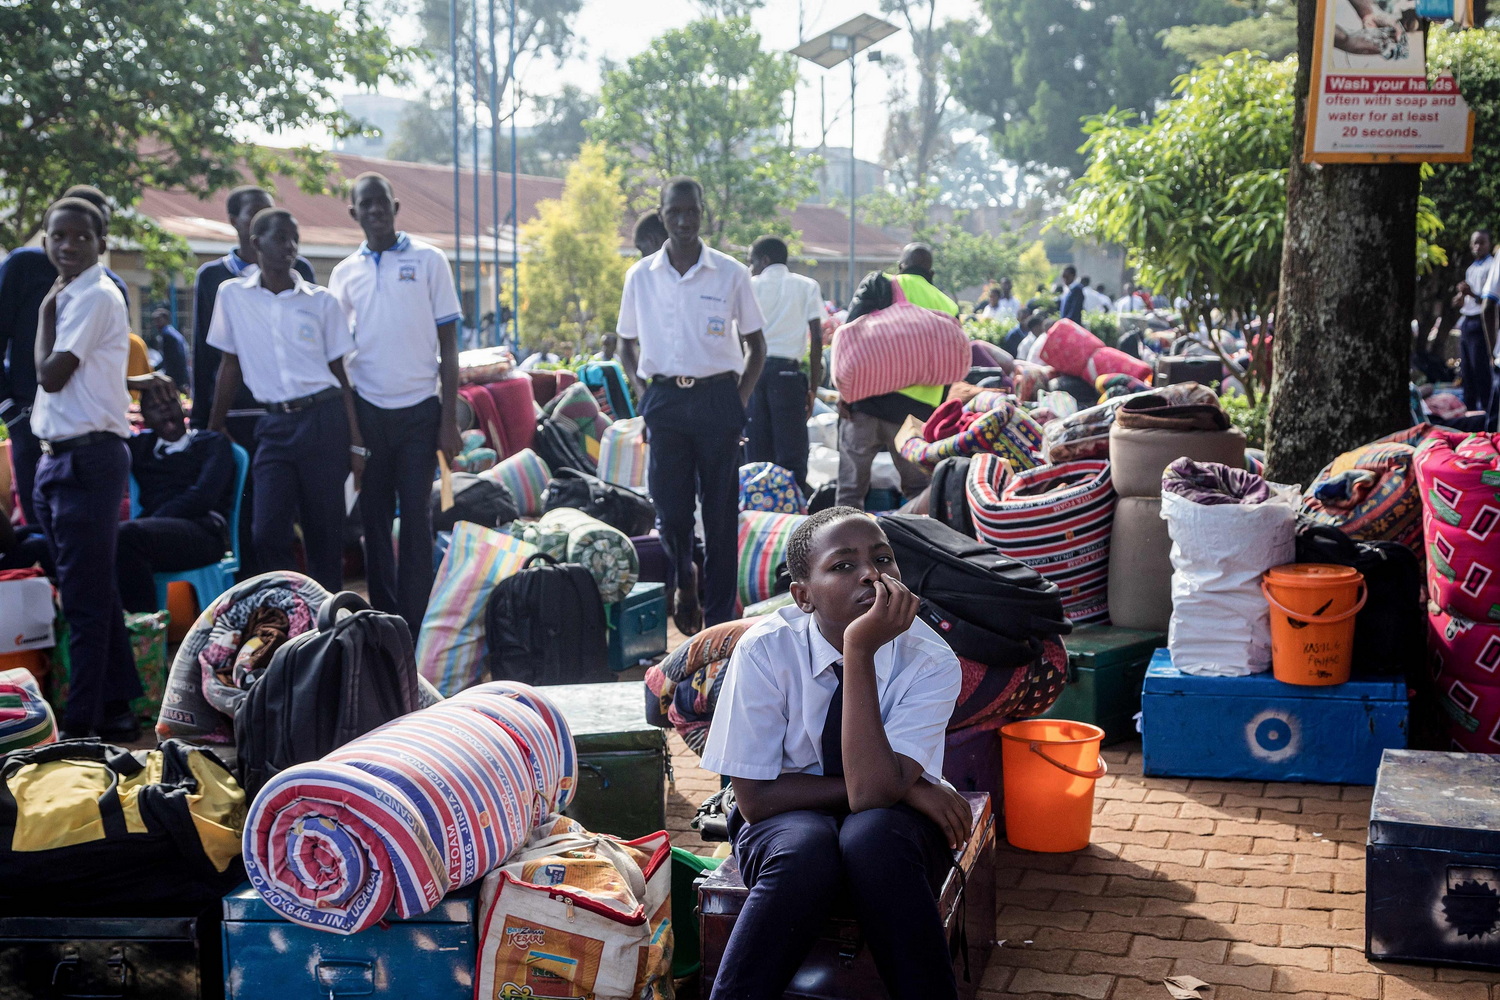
1006 430
1110 386
988 697
683 690
1213 484
1150 411
227 647
1371 493
403 815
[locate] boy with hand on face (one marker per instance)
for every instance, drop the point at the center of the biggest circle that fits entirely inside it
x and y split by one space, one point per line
398 295
286 339
81 353
831 726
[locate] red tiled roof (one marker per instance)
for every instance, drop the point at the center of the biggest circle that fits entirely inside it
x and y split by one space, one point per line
426 195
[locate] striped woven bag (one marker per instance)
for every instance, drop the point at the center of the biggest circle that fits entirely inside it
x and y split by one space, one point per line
526 476
763 538
899 346
1055 519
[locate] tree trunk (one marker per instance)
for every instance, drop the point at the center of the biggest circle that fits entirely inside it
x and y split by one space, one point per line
1348 278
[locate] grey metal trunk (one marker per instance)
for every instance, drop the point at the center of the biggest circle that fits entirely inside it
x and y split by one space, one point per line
1343 323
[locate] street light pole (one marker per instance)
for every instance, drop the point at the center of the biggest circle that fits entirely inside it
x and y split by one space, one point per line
853 177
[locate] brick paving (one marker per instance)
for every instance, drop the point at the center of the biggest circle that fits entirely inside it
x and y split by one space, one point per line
1256 888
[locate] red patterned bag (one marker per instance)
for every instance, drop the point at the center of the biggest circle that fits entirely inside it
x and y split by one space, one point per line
1066 347
897 347
1459 478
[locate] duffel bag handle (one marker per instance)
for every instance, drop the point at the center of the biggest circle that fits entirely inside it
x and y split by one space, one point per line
116 759
544 557
344 600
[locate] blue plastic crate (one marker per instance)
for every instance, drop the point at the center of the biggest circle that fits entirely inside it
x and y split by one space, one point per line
1260 729
431 956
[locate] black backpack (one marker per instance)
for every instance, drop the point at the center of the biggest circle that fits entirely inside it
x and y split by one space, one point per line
325 687
545 625
560 445
485 502
1390 631
949 498
971 584
614 505
92 858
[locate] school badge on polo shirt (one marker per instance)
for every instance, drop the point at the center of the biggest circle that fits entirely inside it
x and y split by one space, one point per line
408 272
716 325
307 329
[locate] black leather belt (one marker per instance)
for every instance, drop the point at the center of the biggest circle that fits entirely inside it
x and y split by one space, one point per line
297 405
64 445
688 382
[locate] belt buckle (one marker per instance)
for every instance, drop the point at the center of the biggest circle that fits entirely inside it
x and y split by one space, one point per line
46 446
685 382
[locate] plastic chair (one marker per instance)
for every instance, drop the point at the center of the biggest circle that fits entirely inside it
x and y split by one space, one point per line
208 582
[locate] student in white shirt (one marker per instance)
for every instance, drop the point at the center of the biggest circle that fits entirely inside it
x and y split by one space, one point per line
398 295
792 306
831 726
679 313
286 339
999 304
1475 349
79 417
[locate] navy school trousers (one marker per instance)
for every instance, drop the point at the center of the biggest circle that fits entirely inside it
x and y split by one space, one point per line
400 467
301 462
77 501
1475 363
778 418
695 453
888 863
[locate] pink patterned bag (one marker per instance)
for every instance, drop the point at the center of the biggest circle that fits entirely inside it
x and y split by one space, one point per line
1109 361
1066 347
899 346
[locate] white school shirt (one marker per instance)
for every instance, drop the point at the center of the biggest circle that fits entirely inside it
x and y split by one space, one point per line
780 682
1478 275
395 300
1004 309
284 340
92 325
686 323
788 302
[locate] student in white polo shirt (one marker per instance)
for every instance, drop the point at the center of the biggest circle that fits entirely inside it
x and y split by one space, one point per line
398 295
1474 348
286 339
678 316
781 404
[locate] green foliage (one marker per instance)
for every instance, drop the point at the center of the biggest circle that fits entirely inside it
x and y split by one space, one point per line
1198 214
1104 325
1465 195
1270 29
1040 66
130 94
1247 416
572 273
709 101
991 331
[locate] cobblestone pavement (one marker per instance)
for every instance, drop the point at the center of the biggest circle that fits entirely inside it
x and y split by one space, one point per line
1255 888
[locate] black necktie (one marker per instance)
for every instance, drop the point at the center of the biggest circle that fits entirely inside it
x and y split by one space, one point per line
833 727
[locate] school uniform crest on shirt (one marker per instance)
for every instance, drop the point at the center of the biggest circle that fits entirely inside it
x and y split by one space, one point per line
716 325
408 272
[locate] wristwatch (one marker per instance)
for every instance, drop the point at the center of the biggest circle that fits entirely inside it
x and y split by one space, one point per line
355 449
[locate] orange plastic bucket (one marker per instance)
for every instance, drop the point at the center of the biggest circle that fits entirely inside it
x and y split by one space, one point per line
1312 621
1050 766
34 660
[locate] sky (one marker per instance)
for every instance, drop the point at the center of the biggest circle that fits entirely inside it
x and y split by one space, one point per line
618 29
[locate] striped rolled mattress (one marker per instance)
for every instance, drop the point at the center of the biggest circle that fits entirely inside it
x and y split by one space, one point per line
423 805
25 717
1056 519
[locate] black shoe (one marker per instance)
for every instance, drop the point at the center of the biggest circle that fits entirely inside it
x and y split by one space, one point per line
122 728
63 735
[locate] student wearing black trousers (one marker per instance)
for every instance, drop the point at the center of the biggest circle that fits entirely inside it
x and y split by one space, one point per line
792 306
185 484
82 349
286 340
26 275
831 726
679 314
398 295
243 205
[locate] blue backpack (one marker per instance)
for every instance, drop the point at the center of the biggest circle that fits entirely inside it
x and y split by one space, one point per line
606 380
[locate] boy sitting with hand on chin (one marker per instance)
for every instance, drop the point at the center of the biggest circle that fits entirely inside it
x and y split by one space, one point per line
831 725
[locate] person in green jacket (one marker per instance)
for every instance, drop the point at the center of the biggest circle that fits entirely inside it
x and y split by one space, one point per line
868 426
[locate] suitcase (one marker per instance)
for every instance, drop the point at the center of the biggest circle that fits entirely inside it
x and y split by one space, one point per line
637 626
1259 729
840 966
431 956
1106 667
1432 866
142 958
623 763
1203 370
